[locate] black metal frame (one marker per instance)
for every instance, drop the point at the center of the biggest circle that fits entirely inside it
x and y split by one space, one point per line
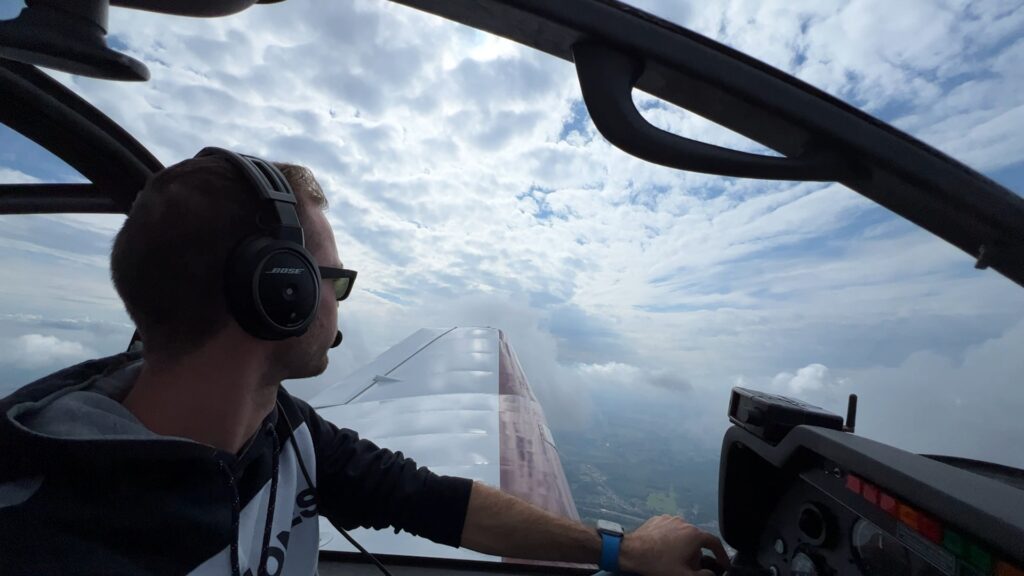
48 113
455 566
55 199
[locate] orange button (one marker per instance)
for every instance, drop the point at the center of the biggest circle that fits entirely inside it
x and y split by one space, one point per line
908 516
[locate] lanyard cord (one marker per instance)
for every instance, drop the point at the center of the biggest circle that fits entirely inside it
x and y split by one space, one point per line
309 482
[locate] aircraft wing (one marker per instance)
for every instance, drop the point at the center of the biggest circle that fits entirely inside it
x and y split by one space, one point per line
457 401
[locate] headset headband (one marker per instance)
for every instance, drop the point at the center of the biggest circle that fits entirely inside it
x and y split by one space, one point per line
273 189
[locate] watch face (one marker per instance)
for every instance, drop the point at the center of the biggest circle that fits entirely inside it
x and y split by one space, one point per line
609 527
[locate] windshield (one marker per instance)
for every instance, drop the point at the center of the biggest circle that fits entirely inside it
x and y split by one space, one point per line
57 306
468 186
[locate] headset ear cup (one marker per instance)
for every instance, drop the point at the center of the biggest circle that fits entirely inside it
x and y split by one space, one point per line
272 288
238 284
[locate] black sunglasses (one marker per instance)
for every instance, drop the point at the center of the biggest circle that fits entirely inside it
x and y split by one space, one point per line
341 278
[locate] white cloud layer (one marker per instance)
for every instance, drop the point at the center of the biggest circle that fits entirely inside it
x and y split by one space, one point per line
468 186
967 405
38 350
11 176
810 378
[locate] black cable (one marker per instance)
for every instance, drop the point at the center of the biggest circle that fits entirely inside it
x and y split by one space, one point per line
364 551
316 492
235 515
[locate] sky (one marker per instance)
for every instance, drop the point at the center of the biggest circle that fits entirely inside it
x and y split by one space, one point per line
468 186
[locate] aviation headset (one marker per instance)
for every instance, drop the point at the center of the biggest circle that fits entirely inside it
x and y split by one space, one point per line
272 283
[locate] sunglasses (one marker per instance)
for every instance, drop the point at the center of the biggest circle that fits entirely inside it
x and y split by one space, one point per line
341 278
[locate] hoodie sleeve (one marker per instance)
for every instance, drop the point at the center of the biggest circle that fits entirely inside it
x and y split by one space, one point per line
362 485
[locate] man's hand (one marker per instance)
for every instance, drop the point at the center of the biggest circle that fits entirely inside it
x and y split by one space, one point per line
503 525
668 546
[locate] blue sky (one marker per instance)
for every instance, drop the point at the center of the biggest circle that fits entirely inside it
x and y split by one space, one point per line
468 186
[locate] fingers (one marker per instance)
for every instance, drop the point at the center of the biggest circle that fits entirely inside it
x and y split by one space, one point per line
712 543
694 562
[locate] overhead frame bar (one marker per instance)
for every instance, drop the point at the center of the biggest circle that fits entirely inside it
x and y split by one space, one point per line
48 113
55 199
775 109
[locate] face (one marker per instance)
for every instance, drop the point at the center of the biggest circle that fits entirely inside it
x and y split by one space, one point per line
306 355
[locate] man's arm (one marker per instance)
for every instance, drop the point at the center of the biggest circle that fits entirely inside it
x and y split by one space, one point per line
503 525
359 484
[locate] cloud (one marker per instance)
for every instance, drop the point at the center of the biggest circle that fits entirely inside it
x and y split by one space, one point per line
33 351
95 327
59 265
929 402
810 378
908 68
622 377
468 186
11 176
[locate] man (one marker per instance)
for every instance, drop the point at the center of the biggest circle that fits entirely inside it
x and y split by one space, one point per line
193 459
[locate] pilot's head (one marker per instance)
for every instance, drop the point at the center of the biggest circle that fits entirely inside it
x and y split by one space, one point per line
168 262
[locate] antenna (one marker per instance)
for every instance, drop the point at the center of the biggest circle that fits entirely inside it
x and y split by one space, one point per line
851 414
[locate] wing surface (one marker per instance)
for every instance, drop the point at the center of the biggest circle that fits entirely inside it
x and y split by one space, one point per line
457 401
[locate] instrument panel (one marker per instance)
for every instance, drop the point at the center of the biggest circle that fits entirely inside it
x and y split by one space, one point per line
800 493
825 525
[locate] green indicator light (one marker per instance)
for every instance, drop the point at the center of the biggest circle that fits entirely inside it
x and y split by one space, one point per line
953 542
980 559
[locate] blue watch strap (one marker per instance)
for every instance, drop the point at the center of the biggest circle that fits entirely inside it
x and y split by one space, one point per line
610 552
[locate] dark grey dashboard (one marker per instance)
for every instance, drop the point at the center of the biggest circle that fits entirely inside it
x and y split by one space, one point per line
820 526
824 501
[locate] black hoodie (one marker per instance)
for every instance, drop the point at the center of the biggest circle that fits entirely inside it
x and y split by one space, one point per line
85 488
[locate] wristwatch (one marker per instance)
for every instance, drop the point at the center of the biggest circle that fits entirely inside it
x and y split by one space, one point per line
611 540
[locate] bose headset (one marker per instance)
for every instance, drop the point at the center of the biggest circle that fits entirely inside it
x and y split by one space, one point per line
272 283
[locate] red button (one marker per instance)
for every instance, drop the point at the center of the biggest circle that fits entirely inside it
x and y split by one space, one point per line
870 493
887 503
929 528
853 483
